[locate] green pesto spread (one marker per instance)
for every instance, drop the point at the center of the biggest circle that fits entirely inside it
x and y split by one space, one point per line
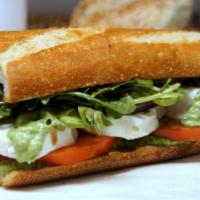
28 138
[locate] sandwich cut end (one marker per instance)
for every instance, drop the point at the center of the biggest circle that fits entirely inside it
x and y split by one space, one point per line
36 43
60 60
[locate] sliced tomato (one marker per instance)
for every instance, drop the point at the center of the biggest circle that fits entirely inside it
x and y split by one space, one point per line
5 158
174 130
1 158
86 147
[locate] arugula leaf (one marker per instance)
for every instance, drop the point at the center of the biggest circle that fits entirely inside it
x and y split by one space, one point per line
113 100
168 99
5 111
192 117
31 104
130 84
165 97
26 117
144 83
91 109
46 100
93 119
123 106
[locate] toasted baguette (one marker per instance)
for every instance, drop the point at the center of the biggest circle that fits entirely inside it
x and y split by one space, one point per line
132 13
115 160
40 63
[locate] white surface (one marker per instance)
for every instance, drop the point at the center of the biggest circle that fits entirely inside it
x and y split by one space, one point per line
13 14
179 179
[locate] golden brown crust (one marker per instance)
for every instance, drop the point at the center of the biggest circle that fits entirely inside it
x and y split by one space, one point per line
9 38
115 160
99 59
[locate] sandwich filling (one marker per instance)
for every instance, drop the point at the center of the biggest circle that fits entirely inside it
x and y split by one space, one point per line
56 130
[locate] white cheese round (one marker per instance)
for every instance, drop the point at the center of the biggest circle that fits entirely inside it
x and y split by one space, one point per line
64 138
52 141
134 126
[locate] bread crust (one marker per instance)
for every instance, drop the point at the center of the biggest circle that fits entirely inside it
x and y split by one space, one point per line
107 57
8 38
115 160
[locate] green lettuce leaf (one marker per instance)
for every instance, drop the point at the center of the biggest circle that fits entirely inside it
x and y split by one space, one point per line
192 117
123 144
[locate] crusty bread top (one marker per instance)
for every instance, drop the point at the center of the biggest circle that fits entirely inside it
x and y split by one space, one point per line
132 13
35 64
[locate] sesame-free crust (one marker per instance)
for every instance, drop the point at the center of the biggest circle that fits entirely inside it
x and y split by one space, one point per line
103 57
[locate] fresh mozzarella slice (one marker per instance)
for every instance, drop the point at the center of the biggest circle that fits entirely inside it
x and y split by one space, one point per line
134 126
52 142
6 149
63 138
181 107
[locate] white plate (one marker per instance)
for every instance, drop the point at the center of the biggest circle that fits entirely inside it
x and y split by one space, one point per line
179 179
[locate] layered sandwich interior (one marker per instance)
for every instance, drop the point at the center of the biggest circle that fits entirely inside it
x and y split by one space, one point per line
74 126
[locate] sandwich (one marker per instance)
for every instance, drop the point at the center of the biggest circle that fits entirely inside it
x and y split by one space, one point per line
81 101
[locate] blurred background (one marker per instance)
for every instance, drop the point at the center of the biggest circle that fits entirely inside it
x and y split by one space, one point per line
175 14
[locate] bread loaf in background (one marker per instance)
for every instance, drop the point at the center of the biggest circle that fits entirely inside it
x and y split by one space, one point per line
173 14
